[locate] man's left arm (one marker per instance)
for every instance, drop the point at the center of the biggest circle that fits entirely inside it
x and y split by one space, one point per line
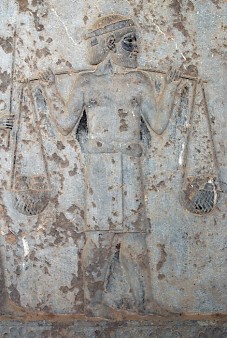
156 112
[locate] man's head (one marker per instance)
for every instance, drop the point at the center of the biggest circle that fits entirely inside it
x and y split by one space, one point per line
113 35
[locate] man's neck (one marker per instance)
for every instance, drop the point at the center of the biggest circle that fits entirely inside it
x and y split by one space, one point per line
108 67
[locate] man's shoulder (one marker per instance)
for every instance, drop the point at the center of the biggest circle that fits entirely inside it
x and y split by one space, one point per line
140 76
85 77
136 76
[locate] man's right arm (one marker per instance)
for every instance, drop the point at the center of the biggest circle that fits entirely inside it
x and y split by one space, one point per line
65 114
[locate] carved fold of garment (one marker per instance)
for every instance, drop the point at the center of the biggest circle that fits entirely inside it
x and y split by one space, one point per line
114 193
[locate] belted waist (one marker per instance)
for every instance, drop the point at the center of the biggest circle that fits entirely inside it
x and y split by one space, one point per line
127 148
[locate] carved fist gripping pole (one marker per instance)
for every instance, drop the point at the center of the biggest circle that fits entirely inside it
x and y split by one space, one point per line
173 75
47 77
6 121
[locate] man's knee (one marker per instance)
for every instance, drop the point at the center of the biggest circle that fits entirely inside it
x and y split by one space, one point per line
98 238
133 247
98 248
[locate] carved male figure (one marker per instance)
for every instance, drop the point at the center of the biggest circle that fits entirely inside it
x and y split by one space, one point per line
116 96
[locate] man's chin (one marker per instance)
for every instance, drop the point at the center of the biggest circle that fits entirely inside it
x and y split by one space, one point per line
131 64
128 64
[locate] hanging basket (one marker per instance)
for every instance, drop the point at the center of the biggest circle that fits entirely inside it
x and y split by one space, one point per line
199 195
30 187
31 194
200 183
30 202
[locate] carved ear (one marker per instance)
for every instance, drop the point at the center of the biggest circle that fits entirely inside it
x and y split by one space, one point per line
110 42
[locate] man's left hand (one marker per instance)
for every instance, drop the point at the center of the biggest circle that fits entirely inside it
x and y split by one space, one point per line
6 121
173 75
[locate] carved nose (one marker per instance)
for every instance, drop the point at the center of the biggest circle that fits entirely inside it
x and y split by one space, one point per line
135 50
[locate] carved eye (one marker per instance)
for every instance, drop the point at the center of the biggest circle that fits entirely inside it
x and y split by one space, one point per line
127 46
128 43
131 39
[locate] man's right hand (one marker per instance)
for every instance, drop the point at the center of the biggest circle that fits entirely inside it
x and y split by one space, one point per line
173 76
47 77
6 121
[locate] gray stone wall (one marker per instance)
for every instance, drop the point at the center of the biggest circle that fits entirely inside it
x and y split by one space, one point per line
43 230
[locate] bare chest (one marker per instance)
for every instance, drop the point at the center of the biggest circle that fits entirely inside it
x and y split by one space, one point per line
112 93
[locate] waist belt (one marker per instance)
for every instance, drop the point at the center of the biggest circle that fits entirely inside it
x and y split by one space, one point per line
98 147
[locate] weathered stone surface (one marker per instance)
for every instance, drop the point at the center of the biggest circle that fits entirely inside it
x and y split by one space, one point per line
118 209
88 329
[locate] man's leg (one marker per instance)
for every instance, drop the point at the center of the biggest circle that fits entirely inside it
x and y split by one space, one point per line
134 259
97 256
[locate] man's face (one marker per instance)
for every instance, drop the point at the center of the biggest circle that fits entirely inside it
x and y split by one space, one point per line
127 50
124 52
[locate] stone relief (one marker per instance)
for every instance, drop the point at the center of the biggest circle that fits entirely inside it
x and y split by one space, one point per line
116 223
30 184
119 101
199 191
200 186
6 122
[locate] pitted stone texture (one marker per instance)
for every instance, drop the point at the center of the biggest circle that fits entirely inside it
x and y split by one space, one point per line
42 255
191 329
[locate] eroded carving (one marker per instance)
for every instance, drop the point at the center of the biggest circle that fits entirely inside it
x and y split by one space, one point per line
115 97
30 183
6 124
6 121
114 111
200 178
